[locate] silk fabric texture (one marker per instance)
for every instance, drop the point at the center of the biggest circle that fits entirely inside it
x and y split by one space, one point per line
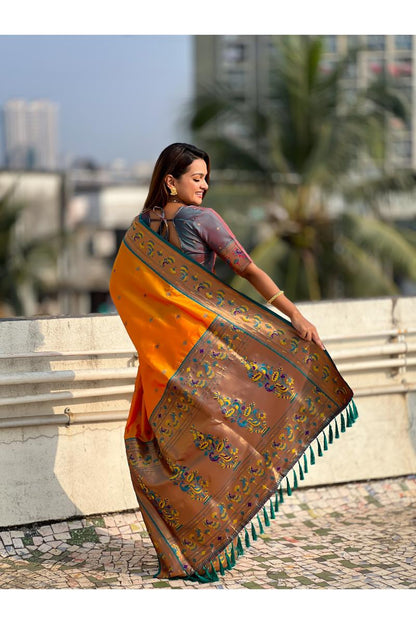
227 399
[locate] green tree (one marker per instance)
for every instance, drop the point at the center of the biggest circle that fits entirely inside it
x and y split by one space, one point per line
21 262
308 144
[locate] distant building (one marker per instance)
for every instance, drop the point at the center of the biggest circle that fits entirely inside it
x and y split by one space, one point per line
96 220
31 134
66 238
242 64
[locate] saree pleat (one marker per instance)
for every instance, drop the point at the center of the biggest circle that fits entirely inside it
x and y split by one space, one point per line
227 400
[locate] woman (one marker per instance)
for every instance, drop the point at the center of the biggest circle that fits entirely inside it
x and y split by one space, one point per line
228 395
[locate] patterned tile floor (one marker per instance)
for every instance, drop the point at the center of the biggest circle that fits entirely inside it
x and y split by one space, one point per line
354 536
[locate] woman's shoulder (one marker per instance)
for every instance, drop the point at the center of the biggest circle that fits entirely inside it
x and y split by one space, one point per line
200 212
190 213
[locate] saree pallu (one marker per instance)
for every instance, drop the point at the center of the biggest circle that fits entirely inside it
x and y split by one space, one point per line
228 399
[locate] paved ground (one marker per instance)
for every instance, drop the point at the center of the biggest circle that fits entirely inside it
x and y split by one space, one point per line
359 536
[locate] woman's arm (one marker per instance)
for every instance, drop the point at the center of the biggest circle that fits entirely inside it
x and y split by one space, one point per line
217 235
267 288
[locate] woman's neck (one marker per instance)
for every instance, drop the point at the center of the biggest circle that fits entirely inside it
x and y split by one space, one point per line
172 206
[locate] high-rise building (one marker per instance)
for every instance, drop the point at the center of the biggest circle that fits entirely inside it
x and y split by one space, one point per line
31 134
242 64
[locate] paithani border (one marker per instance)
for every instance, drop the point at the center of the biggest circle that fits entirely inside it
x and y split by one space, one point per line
195 281
249 474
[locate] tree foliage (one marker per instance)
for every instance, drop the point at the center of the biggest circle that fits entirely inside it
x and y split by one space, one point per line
309 142
21 262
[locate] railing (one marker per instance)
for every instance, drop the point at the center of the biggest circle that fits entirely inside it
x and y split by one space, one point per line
368 359
66 385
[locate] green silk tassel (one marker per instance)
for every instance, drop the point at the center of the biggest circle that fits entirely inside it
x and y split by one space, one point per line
232 555
222 571
349 421
240 549
342 423
325 442
246 539
214 575
260 524
312 457
281 494
288 488
295 481
276 503
331 434
229 565
272 514
305 464
266 517
319 448
354 410
336 429
253 532
301 476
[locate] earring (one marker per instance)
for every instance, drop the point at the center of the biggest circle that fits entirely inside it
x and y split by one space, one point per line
173 191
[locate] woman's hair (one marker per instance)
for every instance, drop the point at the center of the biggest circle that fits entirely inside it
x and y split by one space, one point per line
174 160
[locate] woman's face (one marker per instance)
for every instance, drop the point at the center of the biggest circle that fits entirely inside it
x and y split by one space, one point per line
192 185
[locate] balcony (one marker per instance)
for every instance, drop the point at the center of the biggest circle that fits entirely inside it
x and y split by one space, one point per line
66 385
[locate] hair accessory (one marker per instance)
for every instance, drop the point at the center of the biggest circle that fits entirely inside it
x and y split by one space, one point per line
173 191
275 296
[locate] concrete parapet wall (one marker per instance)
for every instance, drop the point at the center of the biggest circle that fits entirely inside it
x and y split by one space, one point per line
373 343
66 383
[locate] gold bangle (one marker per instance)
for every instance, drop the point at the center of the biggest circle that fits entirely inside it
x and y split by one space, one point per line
275 296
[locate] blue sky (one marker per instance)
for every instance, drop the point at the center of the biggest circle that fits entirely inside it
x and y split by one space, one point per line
119 96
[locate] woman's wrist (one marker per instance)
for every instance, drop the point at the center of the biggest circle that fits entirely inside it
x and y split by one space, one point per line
275 296
295 313
286 306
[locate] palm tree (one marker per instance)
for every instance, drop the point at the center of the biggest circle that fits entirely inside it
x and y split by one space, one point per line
303 146
21 263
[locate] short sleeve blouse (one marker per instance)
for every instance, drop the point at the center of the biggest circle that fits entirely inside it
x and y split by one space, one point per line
204 235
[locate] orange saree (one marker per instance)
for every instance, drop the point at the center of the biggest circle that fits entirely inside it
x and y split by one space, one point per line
228 399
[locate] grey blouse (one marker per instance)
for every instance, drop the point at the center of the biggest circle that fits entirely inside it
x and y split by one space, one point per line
203 234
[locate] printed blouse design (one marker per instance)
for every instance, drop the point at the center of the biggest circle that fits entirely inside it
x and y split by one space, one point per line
203 235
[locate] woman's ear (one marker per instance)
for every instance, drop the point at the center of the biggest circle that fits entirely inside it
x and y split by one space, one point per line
169 180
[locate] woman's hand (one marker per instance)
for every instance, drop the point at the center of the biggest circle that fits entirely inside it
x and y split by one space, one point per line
305 329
